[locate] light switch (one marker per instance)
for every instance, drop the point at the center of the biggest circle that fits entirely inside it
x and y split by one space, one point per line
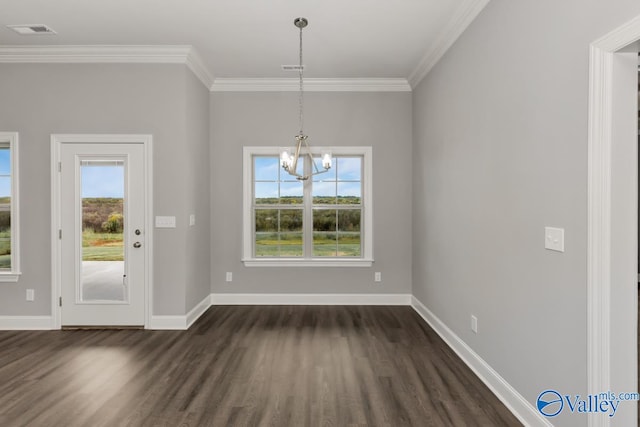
554 239
165 222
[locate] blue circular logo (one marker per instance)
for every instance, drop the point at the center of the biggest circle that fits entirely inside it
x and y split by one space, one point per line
550 403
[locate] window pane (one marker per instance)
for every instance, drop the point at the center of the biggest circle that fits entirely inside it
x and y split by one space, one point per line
7 206
291 220
267 245
279 233
349 244
349 220
325 244
329 175
102 189
291 193
349 168
266 220
5 237
291 244
5 161
324 233
266 168
324 193
349 193
278 245
286 176
324 220
5 189
266 193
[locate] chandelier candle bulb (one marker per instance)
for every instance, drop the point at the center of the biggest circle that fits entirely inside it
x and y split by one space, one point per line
285 158
326 160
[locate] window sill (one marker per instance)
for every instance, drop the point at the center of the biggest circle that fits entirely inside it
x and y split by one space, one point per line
9 277
293 262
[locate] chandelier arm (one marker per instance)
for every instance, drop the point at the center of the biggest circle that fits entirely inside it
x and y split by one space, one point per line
313 164
296 155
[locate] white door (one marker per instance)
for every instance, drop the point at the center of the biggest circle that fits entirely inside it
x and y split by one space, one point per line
102 259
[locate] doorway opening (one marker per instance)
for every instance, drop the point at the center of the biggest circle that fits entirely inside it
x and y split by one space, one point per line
612 294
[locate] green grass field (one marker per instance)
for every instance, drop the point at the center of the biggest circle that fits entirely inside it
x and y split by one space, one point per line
102 246
324 245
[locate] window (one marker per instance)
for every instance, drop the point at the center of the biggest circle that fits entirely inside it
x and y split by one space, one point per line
9 262
323 221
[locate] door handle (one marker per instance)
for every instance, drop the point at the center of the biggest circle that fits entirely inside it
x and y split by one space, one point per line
137 244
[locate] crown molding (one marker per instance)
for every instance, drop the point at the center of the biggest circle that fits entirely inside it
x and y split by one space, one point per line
119 54
109 54
196 65
310 85
456 26
94 54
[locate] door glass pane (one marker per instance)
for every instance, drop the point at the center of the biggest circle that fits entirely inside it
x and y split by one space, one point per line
103 266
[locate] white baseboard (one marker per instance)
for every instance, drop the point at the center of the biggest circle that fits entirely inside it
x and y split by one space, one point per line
310 299
508 395
180 322
26 323
198 311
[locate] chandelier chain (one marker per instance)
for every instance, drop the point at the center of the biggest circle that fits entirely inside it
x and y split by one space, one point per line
301 92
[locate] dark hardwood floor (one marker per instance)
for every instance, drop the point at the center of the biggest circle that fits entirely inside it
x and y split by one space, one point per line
246 366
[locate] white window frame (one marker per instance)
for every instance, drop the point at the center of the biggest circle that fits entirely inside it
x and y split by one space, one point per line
366 260
11 139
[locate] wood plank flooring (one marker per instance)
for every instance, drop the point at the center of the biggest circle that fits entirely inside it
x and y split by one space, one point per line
246 366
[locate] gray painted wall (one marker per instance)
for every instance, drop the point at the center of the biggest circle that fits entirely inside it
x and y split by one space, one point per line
41 99
196 174
381 120
500 128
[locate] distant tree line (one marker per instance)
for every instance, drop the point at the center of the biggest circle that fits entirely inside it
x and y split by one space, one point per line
317 200
290 220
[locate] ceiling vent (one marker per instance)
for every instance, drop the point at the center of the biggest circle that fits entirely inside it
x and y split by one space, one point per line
292 67
31 30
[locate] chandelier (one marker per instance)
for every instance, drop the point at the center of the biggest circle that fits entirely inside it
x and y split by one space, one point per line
289 157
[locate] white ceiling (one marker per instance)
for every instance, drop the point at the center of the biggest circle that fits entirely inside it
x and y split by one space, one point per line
253 38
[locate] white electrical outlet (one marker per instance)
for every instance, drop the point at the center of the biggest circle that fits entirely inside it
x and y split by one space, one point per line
31 295
229 276
377 277
192 220
474 324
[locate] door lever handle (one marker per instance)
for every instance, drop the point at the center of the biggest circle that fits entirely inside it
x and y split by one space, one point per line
137 244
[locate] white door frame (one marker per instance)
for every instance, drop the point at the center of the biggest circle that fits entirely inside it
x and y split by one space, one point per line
56 145
603 250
